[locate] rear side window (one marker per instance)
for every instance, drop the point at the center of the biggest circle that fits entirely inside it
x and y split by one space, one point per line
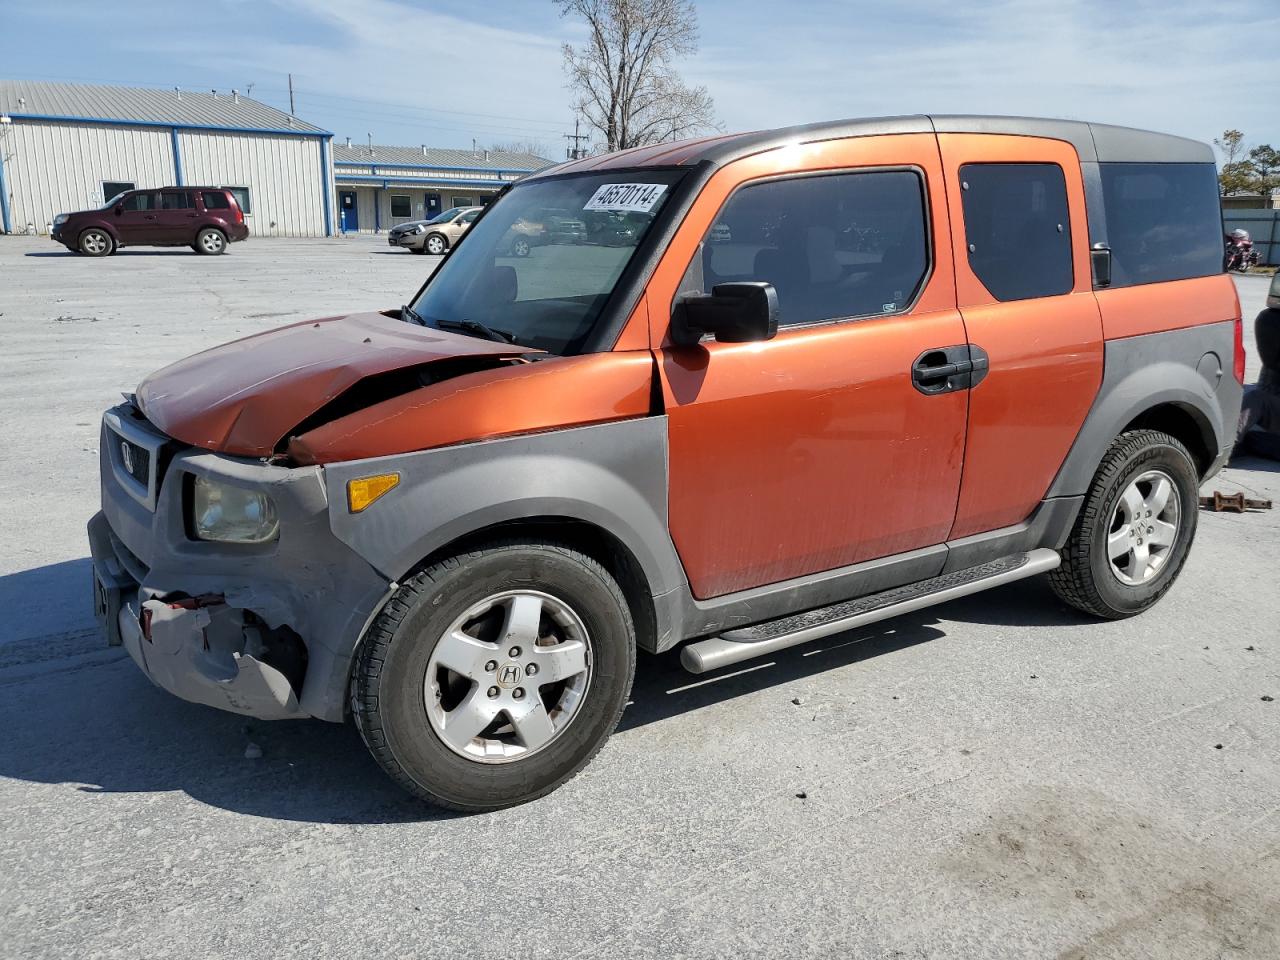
175 200
833 246
1164 221
1017 228
215 201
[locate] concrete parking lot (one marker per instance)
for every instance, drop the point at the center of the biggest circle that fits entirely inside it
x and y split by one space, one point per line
996 777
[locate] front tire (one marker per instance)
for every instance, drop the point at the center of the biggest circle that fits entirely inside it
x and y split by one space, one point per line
435 244
1133 533
520 247
96 243
494 676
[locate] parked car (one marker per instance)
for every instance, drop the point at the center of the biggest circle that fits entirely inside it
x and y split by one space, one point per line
434 236
458 522
205 219
614 229
547 227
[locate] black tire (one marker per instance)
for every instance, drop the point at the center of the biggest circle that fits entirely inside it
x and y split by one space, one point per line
391 673
1086 580
520 247
437 239
96 243
211 242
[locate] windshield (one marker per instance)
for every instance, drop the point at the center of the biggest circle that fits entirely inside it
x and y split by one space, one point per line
446 216
538 268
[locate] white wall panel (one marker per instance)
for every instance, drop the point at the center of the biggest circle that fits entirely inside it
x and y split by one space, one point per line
282 174
53 168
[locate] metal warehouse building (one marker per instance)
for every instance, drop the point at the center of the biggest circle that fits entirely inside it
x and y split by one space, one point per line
66 147
380 186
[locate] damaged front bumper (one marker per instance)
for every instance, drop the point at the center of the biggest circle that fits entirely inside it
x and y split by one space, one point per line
266 630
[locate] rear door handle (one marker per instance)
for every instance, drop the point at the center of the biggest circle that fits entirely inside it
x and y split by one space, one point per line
947 369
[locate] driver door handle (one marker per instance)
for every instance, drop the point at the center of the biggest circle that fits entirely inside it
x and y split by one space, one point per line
948 369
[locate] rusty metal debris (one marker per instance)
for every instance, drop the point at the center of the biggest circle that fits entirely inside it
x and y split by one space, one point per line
1232 502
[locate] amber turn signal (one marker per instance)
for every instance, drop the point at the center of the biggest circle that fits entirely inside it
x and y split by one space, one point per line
363 491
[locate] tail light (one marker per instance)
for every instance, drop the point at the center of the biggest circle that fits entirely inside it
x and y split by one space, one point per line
239 214
1238 366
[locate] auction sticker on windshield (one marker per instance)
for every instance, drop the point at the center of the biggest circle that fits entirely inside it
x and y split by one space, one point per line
631 197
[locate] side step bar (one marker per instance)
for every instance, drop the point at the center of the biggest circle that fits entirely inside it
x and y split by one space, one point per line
734 646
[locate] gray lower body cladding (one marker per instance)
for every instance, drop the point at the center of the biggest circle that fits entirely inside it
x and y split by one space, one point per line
233 647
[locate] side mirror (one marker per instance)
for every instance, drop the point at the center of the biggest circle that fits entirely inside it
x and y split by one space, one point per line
733 313
1100 259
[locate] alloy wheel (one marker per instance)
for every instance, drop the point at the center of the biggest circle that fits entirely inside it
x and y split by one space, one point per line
508 676
1144 527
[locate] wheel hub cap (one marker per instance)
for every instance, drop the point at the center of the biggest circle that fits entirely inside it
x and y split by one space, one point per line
508 676
1144 528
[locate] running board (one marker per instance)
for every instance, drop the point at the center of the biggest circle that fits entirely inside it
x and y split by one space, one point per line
734 646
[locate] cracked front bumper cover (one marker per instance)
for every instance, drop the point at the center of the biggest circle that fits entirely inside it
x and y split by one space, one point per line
185 650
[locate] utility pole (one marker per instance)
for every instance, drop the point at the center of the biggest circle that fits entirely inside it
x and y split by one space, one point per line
576 152
291 110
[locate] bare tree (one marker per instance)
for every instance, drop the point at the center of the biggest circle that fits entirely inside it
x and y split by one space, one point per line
623 77
534 147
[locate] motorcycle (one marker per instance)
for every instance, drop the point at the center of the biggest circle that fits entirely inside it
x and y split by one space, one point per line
1238 253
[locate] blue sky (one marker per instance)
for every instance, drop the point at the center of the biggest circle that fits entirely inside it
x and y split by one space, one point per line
446 71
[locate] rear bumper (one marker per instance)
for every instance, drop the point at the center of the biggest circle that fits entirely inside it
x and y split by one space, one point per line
268 630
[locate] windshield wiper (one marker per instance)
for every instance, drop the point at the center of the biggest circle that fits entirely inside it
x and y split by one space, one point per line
408 313
475 326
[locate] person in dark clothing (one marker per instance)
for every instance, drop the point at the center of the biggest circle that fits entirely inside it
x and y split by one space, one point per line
1259 432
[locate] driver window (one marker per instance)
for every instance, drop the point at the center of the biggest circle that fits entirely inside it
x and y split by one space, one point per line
834 246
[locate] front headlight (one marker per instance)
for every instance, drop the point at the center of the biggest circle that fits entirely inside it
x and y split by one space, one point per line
230 514
60 219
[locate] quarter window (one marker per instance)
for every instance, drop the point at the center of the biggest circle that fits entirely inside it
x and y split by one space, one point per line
215 201
1017 228
833 246
401 206
1163 221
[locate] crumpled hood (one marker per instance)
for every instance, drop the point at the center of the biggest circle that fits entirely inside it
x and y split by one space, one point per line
244 397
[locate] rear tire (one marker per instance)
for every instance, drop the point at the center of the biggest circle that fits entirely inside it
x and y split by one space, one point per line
211 242
96 243
441 693
1134 530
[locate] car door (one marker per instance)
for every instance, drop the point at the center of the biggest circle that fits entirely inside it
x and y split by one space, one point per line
176 218
135 217
460 225
816 449
1025 291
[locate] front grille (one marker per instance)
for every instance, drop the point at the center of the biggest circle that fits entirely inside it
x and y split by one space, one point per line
136 460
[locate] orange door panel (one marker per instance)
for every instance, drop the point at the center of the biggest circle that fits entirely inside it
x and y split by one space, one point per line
813 450
1045 354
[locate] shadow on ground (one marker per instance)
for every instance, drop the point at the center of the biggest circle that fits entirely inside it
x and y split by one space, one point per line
84 715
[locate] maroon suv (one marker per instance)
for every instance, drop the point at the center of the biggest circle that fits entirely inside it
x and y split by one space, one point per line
203 218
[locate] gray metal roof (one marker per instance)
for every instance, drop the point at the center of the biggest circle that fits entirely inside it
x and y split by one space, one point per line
88 101
437 157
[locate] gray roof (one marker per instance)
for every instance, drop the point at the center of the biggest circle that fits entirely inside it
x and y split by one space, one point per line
88 101
437 157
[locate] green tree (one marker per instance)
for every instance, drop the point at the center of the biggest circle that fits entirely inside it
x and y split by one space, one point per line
1265 161
1236 174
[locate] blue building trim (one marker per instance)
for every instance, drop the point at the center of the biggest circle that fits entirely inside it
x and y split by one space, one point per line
364 179
168 124
177 158
429 166
326 186
4 199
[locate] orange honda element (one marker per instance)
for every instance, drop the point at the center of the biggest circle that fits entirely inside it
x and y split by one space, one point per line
832 374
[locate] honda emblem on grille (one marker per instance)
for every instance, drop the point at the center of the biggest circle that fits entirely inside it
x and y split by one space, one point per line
126 455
